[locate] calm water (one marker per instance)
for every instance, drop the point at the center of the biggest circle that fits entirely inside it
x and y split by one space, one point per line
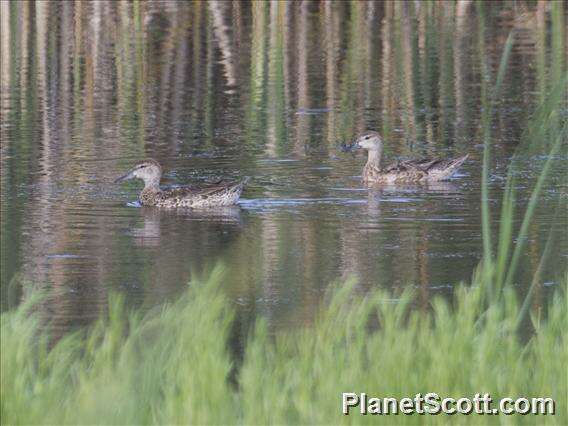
267 90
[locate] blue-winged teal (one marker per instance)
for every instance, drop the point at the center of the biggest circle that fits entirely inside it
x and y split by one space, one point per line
212 195
411 171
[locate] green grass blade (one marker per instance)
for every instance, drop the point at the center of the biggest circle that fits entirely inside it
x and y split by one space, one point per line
503 64
530 210
536 277
505 231
485 208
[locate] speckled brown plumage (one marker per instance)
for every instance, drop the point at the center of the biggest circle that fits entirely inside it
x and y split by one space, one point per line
219 194
413 171
402 172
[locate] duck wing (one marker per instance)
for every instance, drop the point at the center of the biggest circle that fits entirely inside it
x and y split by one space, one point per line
435 168
201 191
425 165
421 165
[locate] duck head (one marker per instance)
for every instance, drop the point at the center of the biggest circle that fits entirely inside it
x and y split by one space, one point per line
370 140
148 170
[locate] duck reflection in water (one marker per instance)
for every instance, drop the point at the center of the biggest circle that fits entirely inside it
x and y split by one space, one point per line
380 193
158 222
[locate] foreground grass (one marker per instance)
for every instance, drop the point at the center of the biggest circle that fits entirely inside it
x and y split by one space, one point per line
172 366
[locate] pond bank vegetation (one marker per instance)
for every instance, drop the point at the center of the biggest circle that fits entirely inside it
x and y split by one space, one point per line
173 365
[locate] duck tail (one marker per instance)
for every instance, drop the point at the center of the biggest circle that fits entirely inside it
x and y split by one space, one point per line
456 162
239 186
450 168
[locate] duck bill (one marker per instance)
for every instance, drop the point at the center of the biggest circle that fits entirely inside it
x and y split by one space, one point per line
350 147
122 178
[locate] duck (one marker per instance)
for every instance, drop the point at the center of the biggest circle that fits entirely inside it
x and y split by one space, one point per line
422 170
219 194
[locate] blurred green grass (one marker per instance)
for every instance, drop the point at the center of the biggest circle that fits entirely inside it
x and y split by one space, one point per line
173 366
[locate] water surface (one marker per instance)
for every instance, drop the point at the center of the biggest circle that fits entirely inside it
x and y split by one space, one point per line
267 90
